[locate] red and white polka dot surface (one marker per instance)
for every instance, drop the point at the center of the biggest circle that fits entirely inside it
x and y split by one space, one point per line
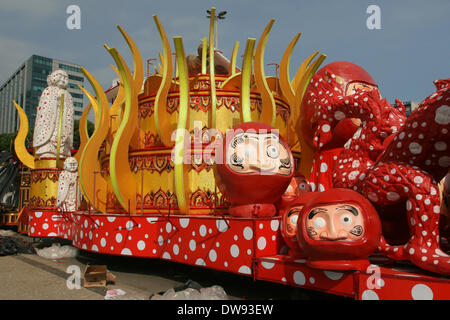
377 283
240 245
228 244
294 272
44 223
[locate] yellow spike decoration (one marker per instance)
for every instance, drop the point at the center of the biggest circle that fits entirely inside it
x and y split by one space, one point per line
19 143
285 82
181 177
121 177
212 79
130 164
246 77
162 122
232 70
269 109
82 129
307 152
204 55
92 183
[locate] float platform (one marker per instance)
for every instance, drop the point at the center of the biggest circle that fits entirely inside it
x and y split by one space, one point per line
246 246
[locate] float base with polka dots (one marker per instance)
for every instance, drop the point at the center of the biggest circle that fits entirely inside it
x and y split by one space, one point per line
245 246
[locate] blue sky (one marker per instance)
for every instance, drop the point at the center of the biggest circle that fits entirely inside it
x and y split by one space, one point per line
410 51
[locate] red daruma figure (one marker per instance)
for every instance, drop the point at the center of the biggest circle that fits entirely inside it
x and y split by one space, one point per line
328 139
297 187
338 230
255 169
290 216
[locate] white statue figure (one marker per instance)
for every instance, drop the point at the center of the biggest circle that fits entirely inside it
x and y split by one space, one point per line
45 137
69 196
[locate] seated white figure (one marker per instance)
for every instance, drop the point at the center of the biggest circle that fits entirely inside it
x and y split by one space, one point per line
45 137
69 197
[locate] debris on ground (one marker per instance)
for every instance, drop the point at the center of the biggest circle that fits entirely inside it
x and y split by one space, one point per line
13 245
191 290
7 233
56 251
114 294
97 276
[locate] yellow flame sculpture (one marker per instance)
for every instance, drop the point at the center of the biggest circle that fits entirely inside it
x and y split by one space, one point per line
82 129
294 92
92 183
212 73
121 177
118 125
269 109
232 70
19 143
162 121
181 178
246 77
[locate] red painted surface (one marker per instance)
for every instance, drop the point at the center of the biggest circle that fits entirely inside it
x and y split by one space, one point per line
43 223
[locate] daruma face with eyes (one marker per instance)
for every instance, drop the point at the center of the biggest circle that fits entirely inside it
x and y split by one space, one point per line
290 216
335 222
261 153
256 167
341 226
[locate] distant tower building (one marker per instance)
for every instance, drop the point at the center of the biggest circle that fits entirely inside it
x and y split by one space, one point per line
25 86
410 106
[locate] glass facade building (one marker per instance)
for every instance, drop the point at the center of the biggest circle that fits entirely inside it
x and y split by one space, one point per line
25 86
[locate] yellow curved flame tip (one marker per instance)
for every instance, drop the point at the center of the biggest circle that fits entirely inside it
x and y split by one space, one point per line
212 71
204 54
181 177
19 143
300 121
92 184
119 97
269 110
302 69
94 104
285 82
232 69
107 47
122 179
310 72
82 129
246 77
162 122
115 110
138 64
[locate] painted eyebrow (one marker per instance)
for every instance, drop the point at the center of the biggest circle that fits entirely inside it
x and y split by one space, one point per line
294 210
271 136
252 137
237 141
316 211
349 208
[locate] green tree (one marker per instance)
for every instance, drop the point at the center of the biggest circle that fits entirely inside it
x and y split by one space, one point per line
7 141
76 132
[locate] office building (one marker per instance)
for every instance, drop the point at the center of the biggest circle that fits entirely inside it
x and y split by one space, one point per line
26 84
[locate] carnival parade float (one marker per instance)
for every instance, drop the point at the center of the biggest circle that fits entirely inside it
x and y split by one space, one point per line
313 181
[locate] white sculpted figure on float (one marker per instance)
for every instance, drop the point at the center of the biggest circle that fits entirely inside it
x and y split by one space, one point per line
68 197
45 137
